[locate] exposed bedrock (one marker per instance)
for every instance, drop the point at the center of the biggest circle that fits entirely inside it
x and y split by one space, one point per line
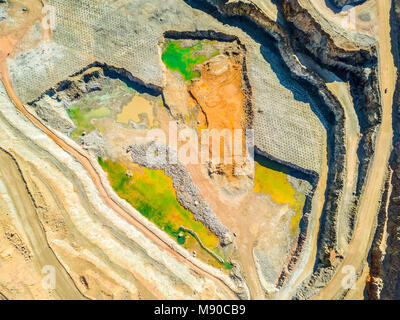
359 68
377 251
331 111
77 90
308 36
76 87
87 236
301 34
384 256
390 258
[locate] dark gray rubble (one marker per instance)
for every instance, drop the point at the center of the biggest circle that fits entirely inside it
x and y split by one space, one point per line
187 192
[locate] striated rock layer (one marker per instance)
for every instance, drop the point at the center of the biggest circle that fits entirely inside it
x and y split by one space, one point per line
384 257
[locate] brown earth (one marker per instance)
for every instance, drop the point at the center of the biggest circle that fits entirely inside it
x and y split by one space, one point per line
219 93
254 218
9 39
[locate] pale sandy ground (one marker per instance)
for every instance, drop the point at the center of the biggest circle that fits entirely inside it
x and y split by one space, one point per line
92 176
26 212
342 91
268 8
20 275
239 218
99 184
369 202
346 28
255 219
80 256
94 228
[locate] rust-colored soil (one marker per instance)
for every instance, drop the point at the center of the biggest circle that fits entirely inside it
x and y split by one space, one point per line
219 93
221 99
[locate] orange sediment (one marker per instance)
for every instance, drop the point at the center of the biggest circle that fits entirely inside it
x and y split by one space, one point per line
9 39
219 93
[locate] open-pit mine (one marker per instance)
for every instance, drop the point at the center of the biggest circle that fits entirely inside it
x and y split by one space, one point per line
199 149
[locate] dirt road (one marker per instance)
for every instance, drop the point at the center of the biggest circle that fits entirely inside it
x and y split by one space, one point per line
10 175
369 202
9 40
84 160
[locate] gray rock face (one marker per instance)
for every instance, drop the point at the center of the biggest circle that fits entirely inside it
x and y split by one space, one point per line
342 3
54 114
307 36
158 156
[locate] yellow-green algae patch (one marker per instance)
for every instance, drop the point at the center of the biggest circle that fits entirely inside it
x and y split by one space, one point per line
184 59
151 192
82 118
273 182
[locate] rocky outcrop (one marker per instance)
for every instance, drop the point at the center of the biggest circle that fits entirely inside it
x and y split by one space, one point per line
384 257
77 89
359 68
51 106
340 4
377 252
389 275
299 32
3 10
